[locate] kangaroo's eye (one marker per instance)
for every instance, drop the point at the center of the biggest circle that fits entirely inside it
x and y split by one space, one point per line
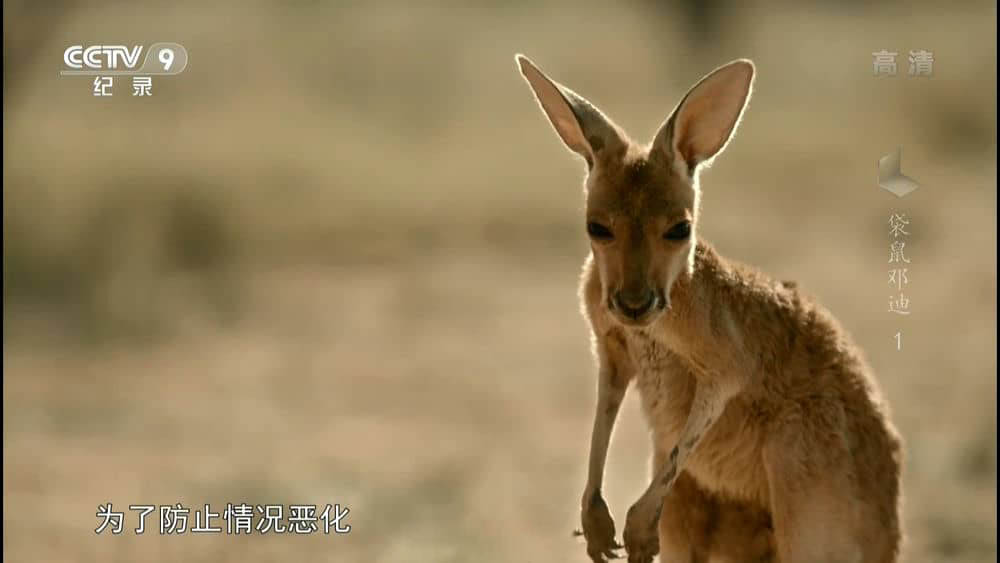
680 231
599 231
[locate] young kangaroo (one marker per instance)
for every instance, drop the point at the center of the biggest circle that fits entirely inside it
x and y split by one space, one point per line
771 439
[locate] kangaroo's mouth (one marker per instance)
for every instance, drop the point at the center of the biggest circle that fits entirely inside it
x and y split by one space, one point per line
638 314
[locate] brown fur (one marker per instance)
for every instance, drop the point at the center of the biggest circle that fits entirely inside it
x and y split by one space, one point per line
771 439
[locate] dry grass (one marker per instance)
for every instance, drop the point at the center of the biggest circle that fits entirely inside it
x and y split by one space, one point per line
345 272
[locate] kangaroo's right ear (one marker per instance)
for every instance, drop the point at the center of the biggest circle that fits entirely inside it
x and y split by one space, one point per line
706 119
583 128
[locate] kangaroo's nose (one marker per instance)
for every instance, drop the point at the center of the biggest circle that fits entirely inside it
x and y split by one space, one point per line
636 304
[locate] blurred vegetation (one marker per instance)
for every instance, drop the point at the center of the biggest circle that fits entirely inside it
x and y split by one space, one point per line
332 131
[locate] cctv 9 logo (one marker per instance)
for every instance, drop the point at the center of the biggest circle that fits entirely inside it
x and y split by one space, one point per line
161 58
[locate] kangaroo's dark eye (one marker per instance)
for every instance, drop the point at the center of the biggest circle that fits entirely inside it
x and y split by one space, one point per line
599 231
680 231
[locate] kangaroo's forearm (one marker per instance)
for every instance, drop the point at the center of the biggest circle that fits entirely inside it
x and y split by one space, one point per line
610 393
708 404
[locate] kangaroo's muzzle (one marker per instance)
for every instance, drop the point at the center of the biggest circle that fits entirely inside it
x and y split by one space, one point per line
635 306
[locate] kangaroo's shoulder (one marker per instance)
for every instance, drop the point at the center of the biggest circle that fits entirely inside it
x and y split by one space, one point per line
747 284
766 305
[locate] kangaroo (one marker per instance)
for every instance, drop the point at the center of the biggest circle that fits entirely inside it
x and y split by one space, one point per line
771 440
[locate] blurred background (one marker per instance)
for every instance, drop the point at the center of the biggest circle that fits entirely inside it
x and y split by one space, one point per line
335 261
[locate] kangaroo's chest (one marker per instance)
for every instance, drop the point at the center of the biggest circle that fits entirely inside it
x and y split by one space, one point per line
728 458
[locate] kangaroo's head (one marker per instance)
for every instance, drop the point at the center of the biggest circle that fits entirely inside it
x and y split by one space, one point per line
642 200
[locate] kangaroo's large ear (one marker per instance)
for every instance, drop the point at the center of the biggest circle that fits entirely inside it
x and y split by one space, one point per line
707 116
583 128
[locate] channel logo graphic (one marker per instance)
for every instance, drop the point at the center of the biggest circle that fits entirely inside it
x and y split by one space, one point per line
105 62
891 177
112 60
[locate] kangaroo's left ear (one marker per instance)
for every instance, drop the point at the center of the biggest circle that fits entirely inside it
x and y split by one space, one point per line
705 120
582 127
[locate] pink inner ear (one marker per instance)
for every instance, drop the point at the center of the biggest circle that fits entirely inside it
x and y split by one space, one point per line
556 108
709 115
564 124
